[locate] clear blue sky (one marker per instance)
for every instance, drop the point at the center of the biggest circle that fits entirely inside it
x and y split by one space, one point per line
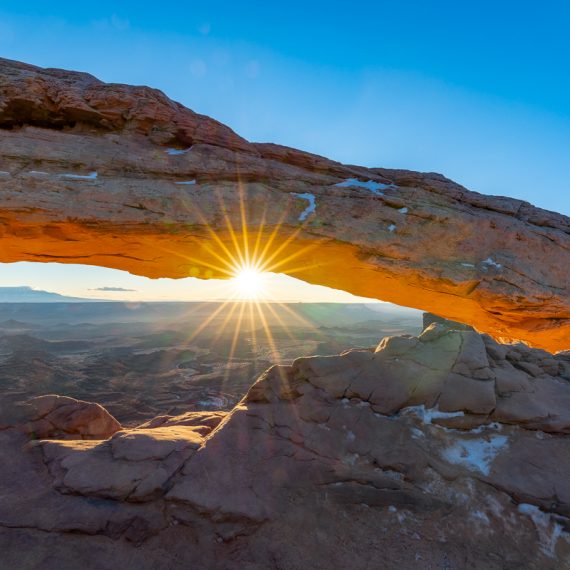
479 91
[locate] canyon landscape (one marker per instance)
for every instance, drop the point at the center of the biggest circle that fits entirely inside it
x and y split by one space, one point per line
367 441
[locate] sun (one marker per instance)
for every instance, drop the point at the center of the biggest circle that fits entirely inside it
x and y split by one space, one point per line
249 283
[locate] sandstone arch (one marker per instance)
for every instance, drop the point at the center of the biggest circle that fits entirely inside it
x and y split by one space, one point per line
124 177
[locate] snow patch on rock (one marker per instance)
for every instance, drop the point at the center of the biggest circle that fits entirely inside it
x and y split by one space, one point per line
374 187
429 414
187 182
90 176
491 263
417 433
549 531
310 208
476 454
177 151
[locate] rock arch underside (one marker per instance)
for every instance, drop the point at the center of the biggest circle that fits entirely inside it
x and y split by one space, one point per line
123 177
445 450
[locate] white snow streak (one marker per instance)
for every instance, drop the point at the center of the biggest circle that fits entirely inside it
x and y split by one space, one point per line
548 530
476 454
310 208
177 151
90 176
427 415
490 262
374 187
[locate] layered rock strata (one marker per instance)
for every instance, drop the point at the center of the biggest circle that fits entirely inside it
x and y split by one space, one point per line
123 177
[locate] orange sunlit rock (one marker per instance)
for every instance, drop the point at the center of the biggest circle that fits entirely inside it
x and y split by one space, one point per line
123 177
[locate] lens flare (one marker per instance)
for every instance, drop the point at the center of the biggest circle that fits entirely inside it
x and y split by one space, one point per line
249 283
247 259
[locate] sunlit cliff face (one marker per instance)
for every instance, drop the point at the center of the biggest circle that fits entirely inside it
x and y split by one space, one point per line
106 190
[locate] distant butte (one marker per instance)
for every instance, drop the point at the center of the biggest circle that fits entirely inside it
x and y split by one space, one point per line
123 177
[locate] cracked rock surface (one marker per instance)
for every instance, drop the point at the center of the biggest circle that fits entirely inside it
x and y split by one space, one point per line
448 450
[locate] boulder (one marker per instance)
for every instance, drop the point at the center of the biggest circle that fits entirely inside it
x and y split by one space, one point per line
61 417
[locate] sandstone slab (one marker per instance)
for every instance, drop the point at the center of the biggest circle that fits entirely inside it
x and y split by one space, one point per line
62 417
123 177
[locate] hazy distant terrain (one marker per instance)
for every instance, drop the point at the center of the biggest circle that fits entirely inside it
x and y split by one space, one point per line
142 360
25 294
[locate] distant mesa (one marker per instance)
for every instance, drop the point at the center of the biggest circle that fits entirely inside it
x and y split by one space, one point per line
26 294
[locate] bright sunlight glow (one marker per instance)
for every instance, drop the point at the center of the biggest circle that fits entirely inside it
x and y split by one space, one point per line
249 283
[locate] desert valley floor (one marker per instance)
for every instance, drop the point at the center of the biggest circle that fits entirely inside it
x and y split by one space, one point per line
439 449
149 359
